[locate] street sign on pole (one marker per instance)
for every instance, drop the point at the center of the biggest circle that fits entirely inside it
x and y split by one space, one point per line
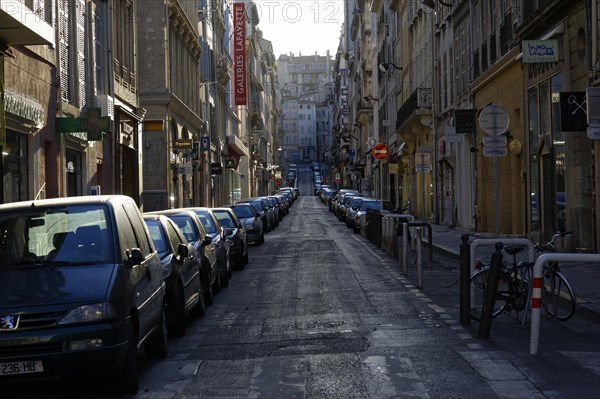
380 151
493 120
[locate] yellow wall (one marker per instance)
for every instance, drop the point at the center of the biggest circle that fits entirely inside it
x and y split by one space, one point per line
502 86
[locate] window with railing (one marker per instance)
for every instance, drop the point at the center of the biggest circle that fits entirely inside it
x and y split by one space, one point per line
124 70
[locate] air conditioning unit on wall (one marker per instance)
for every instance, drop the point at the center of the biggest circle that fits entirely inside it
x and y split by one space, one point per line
107 104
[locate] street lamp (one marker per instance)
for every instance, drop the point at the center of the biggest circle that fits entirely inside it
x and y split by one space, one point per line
384 66
370 98
429 5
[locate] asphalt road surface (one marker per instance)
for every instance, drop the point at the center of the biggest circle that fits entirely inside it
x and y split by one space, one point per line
319 312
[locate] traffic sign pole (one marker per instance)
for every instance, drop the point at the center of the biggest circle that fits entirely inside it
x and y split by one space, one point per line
380 152
494 122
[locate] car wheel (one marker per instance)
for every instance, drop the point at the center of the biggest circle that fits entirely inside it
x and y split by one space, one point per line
225 279
158 344
178 324
261 240
208 290
128 382
217 284
199 310
356 231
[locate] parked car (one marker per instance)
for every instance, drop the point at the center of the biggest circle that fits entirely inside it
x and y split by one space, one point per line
360 218
181 272
206 252
251 221
352 210
235 233
271 212
81 290
217 234
262 210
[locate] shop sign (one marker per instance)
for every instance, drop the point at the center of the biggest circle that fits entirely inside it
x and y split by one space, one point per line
23 107
92 125
573 111
239 53
216 168
465 121
183 144
539 51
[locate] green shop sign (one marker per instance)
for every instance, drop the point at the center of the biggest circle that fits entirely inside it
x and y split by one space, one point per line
93 124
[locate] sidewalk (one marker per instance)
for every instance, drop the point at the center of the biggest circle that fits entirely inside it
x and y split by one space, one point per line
584 278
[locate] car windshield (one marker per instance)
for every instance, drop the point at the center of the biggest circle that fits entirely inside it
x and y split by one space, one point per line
224 219
243 211
157 233
370 205
74 234
187 227
207 222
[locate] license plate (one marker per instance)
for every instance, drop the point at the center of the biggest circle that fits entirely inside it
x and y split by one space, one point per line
32 366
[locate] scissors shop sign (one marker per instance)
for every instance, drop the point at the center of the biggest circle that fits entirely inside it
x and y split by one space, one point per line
573 111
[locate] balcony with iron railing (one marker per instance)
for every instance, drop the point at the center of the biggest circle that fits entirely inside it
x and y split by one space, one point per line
419 100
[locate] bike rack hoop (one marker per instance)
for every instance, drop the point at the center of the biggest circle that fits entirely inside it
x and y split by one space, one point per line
536 298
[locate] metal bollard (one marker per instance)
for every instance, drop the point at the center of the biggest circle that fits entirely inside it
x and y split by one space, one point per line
465 280
405 249
489 299
419 234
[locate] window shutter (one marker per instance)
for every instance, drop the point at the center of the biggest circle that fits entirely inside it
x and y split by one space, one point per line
81 51
63 33
98 52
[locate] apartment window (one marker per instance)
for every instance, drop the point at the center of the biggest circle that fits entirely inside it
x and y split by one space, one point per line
72 50
123 31
484 56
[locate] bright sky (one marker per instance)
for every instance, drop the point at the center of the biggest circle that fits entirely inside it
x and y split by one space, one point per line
301 26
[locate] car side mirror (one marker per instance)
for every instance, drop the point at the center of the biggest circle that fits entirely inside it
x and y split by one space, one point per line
207 241
183 251
135 256
228 231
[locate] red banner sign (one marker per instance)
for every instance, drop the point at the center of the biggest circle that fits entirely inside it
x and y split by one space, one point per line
239 53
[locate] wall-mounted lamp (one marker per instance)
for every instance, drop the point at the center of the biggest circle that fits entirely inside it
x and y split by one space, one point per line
370 98
384 66
429 5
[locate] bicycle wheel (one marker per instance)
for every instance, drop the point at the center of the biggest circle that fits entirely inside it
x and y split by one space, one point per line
557 296
522 286
479 281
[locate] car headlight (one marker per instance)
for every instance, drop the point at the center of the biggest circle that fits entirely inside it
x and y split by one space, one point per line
89 313
249 226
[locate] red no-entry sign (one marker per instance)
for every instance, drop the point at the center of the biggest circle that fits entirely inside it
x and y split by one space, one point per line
380 151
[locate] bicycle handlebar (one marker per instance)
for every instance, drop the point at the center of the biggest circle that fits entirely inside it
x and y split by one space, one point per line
549 246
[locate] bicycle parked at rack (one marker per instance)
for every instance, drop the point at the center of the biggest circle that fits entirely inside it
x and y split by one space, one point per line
514 285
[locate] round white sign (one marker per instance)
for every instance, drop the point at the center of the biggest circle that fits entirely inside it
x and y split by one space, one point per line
493 120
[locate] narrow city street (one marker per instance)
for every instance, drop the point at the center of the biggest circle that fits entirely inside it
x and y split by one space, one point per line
319 312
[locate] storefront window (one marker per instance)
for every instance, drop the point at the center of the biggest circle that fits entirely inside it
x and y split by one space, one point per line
534 129
15 167
547 158
558 150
